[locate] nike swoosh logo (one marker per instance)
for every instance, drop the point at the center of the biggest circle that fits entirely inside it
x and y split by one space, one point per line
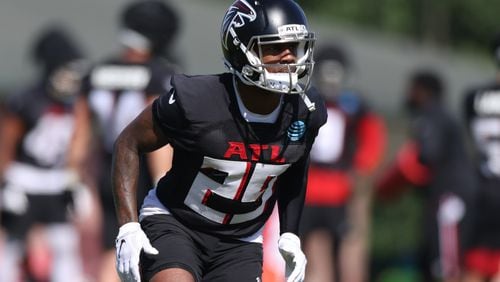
171 100
120 248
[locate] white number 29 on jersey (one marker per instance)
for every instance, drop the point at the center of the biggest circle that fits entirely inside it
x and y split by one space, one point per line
245 184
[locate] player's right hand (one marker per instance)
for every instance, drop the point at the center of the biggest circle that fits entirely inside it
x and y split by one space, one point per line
130 242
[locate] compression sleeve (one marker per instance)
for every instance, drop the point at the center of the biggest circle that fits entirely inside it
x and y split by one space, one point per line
291 195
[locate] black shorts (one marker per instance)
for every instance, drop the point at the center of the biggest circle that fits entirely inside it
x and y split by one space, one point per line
206 257
328 218
42 209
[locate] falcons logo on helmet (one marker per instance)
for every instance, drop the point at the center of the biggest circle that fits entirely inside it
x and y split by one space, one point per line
237 15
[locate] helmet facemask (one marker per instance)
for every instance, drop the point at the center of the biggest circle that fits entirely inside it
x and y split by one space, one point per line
64 83
291 78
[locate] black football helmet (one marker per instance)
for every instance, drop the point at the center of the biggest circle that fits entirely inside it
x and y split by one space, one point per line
248 25
331 69
153 20
62 62
53 48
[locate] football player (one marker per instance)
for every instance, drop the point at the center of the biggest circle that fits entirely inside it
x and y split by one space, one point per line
434 157
482 112
241 141
114 93
349 147
37 171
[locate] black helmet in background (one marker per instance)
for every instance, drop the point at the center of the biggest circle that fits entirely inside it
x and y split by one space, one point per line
332 67
61 61
54 47
150 24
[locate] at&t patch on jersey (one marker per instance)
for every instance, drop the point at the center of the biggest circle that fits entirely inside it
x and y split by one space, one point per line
296 130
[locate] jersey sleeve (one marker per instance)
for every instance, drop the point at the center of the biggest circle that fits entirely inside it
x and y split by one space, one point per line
168 115
291 195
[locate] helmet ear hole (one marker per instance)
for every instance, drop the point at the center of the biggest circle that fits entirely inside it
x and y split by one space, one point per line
247 71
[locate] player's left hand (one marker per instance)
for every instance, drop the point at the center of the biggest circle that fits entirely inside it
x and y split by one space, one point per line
130 242
289 247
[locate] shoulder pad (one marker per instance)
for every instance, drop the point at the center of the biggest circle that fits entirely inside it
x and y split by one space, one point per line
200 96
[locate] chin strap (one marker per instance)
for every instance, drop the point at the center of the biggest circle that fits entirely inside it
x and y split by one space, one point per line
310 105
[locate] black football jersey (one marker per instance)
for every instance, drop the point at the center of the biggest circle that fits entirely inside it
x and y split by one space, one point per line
482 106
117 92
228 173
49 127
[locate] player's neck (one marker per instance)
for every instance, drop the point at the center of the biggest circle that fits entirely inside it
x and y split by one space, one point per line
258 100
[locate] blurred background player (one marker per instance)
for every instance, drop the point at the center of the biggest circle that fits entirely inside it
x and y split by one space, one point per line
37 171
482 113
115 91
434 157
348 148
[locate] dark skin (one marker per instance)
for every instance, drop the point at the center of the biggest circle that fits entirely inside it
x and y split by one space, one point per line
142 136
12 129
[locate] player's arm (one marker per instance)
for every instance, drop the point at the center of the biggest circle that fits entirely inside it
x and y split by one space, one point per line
159 161
80 142
291 198
12 129
140 136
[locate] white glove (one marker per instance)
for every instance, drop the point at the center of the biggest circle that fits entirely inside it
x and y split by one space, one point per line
130 242
289 246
